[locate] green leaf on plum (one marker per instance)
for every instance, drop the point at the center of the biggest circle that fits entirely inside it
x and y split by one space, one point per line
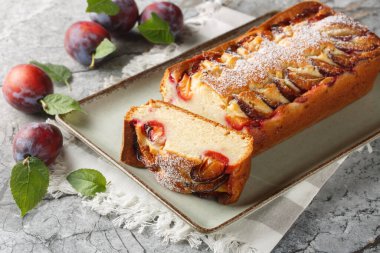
103 6
106 47
156 30
55 104
29 183
87 182
57 73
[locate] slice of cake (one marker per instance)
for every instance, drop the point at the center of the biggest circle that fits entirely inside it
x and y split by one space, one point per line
186 152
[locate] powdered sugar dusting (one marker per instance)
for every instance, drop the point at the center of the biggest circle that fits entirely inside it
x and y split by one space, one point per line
271 57
305 36
169 175
339 18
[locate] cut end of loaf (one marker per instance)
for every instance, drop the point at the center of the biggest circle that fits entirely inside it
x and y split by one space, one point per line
186 152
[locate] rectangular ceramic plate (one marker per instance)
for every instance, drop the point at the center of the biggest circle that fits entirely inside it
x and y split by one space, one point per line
273 172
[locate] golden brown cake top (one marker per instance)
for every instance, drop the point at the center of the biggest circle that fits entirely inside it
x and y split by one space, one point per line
318 45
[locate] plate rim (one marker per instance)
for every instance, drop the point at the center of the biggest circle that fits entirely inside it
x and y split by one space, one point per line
188 53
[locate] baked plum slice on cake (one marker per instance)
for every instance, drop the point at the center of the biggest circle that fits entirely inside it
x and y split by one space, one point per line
186 152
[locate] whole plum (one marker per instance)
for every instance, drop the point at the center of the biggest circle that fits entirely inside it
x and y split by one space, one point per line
24 86
121 23
167 11
82 38
41 140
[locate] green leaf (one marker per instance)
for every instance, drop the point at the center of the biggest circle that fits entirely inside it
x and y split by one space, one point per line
103 6
87 181
54 104
106 47
29 182
156 30
57 73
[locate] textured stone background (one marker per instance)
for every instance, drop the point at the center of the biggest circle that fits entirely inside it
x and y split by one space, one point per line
344 216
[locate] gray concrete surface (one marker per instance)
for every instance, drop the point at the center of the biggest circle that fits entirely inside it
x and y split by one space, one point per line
344 216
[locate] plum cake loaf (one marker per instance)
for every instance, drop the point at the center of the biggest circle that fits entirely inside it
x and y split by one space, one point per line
186 152
295 69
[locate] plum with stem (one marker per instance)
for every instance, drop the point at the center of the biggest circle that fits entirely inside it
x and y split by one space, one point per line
81 40
41 140
24 86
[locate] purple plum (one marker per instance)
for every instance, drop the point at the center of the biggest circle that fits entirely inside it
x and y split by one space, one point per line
121 23
24 86
82 38
41 140
167 11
